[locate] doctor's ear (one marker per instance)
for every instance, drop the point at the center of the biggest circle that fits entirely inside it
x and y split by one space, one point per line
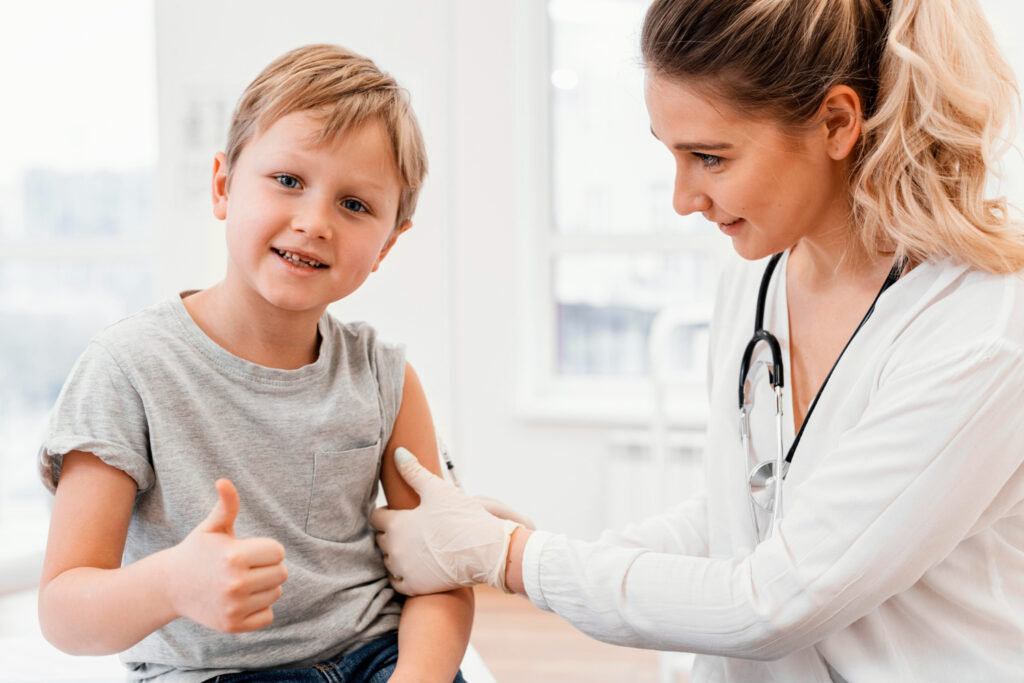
219 186
842 117
391 242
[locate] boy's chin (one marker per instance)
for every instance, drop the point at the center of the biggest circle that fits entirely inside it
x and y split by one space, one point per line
303 302
297 304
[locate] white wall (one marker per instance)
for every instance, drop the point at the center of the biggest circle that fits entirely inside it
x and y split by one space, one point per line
451 289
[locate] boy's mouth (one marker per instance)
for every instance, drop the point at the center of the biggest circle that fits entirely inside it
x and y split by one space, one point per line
297 260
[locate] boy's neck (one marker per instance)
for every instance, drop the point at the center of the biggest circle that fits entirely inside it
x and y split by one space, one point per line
255 331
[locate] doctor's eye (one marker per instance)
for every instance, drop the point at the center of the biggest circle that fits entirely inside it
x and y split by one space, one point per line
289 181
354 205
708 160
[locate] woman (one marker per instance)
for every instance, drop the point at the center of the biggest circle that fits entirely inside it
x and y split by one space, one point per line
879 353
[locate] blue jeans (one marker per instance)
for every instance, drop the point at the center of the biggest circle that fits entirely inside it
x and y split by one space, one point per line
372 663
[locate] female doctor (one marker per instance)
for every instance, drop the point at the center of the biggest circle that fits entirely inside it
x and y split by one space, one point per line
870 350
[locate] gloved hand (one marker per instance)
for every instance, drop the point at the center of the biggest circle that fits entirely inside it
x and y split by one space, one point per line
502 511
449 540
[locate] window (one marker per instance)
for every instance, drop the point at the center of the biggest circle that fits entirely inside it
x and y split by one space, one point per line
617 253
76 214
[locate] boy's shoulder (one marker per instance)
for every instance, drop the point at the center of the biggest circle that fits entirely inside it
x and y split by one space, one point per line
139 330
356 334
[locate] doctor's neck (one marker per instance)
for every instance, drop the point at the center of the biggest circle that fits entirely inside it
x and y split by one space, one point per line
834 256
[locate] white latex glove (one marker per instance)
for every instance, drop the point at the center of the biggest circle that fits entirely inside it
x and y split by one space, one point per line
449 540
501 510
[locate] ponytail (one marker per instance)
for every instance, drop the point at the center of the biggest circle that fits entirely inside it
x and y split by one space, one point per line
946 96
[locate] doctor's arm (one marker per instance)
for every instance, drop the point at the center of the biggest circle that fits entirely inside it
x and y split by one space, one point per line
933 450
682 530
428 619
920 471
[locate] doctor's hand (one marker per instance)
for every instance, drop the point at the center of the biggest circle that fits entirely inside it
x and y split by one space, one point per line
501 510
220 581
449 540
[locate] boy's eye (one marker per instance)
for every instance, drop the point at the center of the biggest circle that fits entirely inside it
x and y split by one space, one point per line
708 160
354 205
291 182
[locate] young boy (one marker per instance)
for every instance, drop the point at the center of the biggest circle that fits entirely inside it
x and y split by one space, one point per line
208 449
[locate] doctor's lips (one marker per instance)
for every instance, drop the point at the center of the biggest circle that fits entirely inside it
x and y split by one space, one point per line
724 225
733 227
298 259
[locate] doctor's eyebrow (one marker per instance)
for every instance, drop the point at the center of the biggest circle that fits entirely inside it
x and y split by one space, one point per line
697 146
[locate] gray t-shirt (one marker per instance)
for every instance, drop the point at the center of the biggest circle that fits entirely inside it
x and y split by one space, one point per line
155 397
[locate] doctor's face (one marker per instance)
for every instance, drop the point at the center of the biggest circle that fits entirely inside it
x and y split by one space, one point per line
765 186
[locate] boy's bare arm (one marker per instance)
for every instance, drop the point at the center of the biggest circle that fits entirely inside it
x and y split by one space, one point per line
434 629
89 604
86 604
433 635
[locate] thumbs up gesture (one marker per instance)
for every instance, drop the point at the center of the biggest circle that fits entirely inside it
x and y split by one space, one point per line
223 582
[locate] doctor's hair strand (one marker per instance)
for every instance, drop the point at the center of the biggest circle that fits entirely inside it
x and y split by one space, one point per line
938 101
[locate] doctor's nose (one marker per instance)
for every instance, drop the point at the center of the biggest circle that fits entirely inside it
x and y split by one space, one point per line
314 221
687 199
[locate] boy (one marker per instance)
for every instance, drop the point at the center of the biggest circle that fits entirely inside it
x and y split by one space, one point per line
250 387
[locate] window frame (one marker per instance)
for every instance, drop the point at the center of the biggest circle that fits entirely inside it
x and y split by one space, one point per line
543 395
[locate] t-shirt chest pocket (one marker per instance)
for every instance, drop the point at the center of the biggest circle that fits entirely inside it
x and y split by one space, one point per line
343 489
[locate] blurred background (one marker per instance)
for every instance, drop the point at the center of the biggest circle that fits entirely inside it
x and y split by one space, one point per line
544 249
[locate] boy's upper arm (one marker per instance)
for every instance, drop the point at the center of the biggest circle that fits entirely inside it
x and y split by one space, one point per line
91 512
414 430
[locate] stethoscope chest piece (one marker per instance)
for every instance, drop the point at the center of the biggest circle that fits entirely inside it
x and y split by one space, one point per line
763 482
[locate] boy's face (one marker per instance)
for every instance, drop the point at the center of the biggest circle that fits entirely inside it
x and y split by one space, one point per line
308 222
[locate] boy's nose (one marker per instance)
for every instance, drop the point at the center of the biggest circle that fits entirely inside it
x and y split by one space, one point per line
314 221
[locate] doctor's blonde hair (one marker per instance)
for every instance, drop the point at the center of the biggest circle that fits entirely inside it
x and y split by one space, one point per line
345 89
937 95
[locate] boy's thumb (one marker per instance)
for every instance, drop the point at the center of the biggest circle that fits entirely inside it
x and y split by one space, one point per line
222 517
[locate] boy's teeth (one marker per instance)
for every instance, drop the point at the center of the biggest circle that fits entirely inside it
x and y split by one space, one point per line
298 260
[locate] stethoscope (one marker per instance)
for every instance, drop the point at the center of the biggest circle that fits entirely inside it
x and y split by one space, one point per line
764 480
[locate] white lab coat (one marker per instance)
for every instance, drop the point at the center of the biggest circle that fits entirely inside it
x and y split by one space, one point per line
900 555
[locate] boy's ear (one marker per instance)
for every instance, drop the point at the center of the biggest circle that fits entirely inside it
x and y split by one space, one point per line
390 243
842 116
219 187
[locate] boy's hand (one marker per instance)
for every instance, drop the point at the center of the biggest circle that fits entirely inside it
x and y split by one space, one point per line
223 582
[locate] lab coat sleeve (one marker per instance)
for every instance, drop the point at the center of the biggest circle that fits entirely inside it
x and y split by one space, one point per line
682 530
925 465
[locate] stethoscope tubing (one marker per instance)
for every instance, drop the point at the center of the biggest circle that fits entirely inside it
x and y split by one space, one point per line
766 471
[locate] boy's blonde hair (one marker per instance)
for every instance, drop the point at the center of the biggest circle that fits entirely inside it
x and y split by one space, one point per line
346 89
937 96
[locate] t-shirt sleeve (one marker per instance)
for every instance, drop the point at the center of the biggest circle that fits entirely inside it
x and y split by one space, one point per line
389 364
98 411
